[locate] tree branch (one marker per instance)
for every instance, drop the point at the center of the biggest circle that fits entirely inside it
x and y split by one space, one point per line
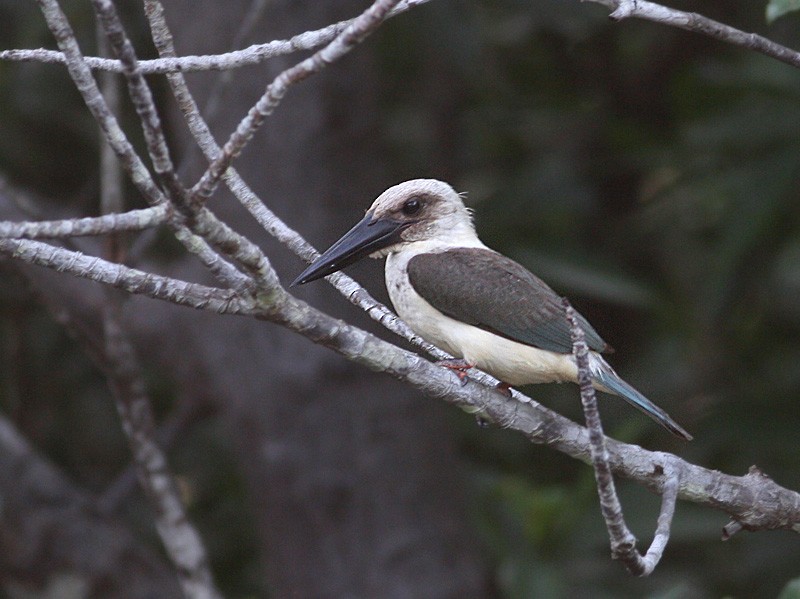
255 54
82 77
754 500
142 98
690 21
133 220
181 541
623 543
222 301
353 34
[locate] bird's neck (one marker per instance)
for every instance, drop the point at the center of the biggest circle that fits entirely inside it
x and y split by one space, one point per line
457 237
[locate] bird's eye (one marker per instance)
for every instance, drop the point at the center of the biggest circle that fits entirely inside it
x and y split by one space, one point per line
411 206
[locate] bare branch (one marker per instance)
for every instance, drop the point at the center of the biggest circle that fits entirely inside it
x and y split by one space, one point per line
251 55
182 542
199 129
359 29
222 301
754 500
623 543
141 96
134 220
87 86
669 499
690 21
112 198
133 165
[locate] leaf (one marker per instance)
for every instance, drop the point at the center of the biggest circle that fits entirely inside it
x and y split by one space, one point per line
778 8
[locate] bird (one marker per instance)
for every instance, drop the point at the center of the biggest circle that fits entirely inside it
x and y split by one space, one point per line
476 304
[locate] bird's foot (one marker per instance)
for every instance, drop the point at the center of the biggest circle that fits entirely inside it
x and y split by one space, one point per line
504 388
459 366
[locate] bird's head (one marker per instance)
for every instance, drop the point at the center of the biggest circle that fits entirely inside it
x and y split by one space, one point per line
413 212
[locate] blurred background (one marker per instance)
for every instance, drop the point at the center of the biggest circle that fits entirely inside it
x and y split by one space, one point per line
648 173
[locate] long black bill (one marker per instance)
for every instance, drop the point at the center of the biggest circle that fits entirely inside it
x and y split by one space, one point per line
366 237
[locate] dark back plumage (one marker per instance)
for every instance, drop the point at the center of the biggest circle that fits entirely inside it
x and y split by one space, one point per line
488 290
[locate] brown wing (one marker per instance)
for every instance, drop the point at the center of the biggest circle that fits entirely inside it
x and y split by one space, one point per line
485 289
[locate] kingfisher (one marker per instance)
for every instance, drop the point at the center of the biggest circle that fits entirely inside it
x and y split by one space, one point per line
476 304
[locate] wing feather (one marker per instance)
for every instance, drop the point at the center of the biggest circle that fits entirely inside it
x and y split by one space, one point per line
488 290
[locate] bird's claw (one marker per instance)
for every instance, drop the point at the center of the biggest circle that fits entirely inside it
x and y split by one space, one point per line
459 366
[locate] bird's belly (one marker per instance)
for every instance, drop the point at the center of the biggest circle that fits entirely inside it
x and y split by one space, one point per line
509 361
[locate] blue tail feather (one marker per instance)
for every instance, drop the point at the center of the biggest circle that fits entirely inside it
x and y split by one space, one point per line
609 380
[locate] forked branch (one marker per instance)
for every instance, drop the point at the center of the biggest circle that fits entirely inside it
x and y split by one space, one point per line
623 543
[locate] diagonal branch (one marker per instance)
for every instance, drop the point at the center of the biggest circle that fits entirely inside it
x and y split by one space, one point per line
359 29
754 501
181 541
82 77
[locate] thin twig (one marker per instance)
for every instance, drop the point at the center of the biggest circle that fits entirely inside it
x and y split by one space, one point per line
270 222
690 21
84 81
255 54
141 96
669 500
181 541
359 29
